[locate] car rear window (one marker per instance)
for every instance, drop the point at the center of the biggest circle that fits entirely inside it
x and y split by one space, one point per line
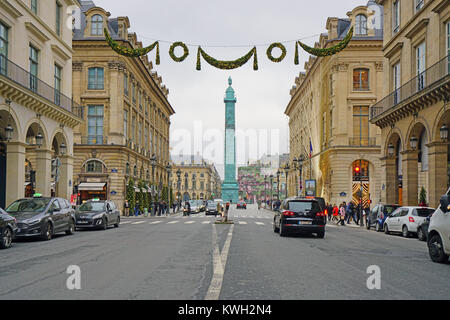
302 206
423 212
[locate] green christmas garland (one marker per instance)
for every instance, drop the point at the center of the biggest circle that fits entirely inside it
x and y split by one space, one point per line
227 65
325 51
276 45
172 51
132 53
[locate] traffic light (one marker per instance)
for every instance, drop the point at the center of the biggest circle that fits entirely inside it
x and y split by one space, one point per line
357 170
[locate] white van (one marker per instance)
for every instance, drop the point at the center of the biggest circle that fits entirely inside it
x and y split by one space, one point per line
439 231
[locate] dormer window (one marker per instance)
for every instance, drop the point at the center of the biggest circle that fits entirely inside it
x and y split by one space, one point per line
97 25
361 25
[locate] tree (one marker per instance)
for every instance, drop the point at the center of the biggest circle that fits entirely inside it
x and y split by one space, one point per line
131 195
423 197
141 196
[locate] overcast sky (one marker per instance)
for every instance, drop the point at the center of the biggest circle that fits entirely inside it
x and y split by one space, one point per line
197 96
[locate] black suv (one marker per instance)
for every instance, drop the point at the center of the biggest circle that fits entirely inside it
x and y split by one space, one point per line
42 217
97 214
300 215
8 229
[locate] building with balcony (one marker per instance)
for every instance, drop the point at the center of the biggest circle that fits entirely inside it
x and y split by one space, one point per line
414 114
37 113
329 113
127 112
195 180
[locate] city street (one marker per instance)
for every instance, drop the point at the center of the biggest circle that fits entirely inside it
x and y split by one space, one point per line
191 258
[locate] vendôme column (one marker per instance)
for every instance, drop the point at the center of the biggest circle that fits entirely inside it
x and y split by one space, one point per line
230 187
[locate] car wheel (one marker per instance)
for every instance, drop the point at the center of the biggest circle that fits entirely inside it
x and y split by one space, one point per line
377 227
421 235
436 249
386 229
71 229
6 240
282 231
321 234
367 225
116 225
104 224
405 232
48 232
275 229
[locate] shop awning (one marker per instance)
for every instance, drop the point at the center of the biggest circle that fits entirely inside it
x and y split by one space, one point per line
91 186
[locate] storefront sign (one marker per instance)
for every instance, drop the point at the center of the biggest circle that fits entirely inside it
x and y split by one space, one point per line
343 194
114 170
113 192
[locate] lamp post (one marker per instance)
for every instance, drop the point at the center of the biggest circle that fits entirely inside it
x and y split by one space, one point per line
179 185
153 164
169 171
443 132
278 184
391 150
271 191
413 142
265 192
286 170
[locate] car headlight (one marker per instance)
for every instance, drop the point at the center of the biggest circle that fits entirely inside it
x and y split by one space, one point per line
98 216
33 221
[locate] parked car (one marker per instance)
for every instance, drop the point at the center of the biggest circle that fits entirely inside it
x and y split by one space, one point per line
241 205
439 231
378 215
300 215
201 205
42 217
422 229
406 220
97 214
8 229
211 208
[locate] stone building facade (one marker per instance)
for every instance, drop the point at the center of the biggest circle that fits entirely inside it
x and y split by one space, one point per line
127 112
37 113
329 113
195 181
414 115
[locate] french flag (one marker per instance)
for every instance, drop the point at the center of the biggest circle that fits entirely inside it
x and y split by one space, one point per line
310 148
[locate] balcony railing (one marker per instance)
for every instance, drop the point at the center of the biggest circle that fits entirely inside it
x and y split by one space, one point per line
28 81
416 85
362 142
94 140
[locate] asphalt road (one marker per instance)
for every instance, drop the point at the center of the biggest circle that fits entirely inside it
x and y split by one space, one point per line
191 258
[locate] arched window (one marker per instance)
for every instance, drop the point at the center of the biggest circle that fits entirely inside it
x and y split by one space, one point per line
97 25
361 25
94 166
135 172
127 168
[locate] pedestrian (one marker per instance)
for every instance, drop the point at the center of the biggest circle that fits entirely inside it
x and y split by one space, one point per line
335 213
126 208
351 213
342 212
225 212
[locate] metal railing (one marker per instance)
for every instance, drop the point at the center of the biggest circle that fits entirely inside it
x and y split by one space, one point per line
28 81
362 142
417 84
94 140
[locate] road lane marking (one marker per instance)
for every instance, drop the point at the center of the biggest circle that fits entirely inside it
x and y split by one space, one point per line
172 222
219 263
242 222
260 223
125 222
138 222
206 222
155 222
189 222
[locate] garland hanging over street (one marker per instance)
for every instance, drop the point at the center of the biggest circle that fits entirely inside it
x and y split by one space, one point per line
132 53
227 65
325 51
276 45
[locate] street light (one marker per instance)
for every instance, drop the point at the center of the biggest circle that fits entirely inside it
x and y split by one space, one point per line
443 131
278 184
391 149
179 183
286 169
265 188
413 142
63 148
300 160
169 171
271 190
153 164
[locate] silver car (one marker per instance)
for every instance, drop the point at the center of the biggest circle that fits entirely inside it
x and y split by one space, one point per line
406 220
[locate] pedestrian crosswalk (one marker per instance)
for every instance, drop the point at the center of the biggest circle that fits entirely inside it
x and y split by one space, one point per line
191 222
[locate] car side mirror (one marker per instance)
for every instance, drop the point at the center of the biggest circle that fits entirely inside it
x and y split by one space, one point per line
445 203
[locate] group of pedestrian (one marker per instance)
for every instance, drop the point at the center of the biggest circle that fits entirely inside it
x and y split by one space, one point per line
160 208
345 213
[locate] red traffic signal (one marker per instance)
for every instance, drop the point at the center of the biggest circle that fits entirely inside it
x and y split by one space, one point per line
357 169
